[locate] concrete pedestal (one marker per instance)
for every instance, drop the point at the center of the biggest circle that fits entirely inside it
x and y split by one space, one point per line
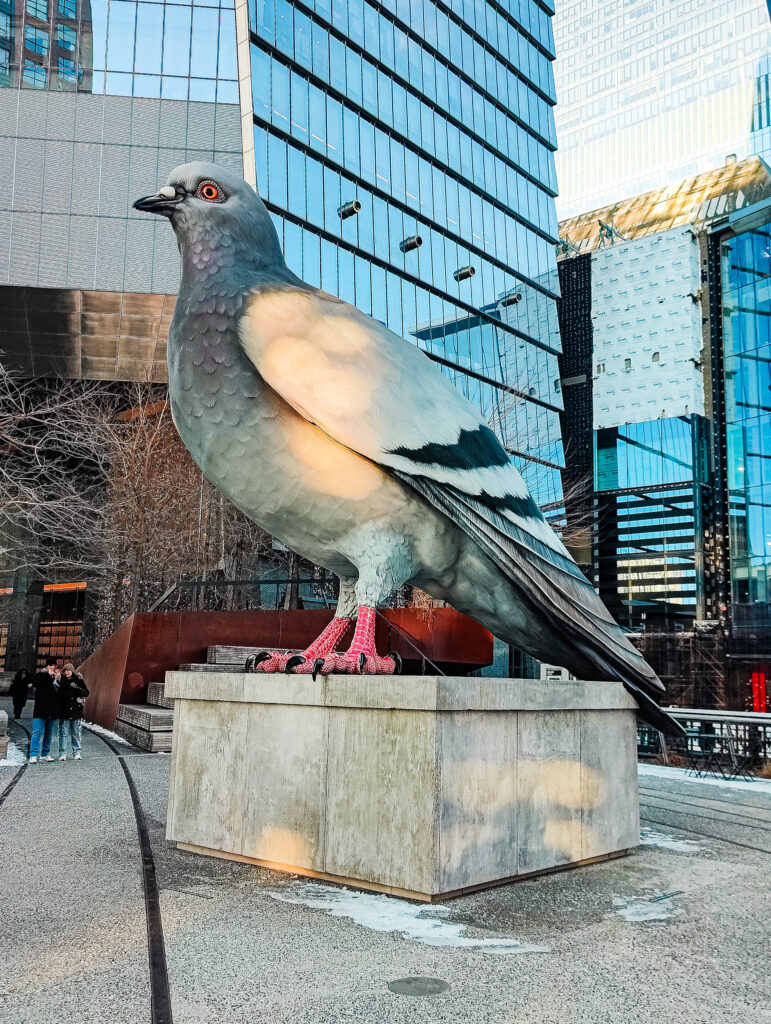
421 786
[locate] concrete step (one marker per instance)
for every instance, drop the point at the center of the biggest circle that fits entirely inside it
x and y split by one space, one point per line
223 654
156 741
191 667
155 696
146 716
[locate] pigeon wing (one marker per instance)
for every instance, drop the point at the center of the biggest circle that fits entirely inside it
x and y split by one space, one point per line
380 396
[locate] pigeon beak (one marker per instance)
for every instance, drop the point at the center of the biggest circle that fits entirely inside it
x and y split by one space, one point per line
164 202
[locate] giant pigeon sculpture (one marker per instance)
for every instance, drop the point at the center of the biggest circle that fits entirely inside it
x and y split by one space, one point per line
346 443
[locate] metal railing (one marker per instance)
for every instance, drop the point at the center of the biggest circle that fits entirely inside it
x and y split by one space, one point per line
265 593
727 737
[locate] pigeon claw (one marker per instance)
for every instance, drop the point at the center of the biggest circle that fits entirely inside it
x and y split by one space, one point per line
256 659
318 665
397 662
293 662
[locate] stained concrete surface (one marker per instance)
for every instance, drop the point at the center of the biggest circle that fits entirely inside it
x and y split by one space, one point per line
73 922
400 782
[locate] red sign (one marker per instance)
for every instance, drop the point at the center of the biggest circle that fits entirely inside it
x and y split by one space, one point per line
759 691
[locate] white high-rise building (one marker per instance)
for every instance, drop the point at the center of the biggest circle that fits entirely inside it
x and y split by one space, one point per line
650 92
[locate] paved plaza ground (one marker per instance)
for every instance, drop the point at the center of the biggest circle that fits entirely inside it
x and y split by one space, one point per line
678 931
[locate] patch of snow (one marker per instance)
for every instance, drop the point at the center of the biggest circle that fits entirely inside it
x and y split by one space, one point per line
680 775
14 756
637 910
389 914
652 837
106 733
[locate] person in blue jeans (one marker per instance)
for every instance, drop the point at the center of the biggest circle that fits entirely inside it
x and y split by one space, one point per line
45 712
72 694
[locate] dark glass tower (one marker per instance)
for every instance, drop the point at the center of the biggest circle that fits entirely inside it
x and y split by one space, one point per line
406 153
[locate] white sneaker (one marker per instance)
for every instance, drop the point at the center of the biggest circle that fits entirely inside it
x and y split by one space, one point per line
62 757
77 758
47 758
32 760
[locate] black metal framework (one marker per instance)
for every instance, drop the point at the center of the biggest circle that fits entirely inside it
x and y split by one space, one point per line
720 549
574 310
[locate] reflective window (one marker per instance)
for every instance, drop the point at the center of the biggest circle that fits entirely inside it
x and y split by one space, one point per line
410 173
34 76
66 38
36 39
38 9
65 68
181 51
747 374
628 75
647 476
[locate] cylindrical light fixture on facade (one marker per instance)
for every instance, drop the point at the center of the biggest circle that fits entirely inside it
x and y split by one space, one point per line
464 273
349 209
408 244
510 298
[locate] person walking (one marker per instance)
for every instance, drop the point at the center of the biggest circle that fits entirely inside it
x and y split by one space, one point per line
44 713
72 694
20 691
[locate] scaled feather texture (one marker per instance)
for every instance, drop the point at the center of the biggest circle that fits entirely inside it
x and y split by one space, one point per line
348 444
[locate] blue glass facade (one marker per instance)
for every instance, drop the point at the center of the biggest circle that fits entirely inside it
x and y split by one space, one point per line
101 99
745 273
360 102
151 48
649 481
652 93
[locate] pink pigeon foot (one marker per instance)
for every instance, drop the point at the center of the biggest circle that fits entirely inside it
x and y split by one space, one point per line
362 658
303 661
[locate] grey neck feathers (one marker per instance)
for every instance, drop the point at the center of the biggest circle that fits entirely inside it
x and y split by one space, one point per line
231 257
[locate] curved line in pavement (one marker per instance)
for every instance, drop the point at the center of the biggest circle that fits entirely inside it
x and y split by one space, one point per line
9 788
160 996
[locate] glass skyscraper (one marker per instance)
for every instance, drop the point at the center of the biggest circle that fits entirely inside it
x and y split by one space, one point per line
651 93
405 151
637 315
99 99
746 308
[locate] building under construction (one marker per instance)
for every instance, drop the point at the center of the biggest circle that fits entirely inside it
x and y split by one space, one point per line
666 375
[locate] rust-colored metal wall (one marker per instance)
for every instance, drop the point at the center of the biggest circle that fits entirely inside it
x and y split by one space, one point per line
104 672
150 643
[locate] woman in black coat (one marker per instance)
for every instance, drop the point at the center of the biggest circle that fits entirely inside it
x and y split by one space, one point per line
20 691
45 712
72 694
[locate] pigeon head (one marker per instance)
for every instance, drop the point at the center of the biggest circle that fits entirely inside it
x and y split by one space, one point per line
213 211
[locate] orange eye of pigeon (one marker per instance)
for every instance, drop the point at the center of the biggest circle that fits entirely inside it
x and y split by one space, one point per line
209 191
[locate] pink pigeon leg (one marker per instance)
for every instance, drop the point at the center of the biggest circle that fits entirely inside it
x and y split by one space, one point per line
322 646
361 656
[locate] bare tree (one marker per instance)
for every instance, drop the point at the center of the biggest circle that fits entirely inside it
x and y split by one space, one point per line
50 474
95 482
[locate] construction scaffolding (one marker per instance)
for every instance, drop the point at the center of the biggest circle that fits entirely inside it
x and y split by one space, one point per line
691 663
